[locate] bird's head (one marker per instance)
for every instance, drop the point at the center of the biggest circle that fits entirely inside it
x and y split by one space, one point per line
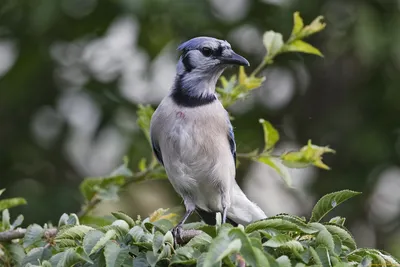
208 55
202 62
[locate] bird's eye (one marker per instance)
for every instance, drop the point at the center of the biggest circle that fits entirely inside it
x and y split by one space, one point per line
206 51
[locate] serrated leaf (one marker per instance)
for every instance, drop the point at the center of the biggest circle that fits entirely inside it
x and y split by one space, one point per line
114 255
34 233
66 243
221 247
273 42
75 232
271 135
11 202
344 235
329 202
278 167
324 237
102 241
303 47
279 224
324 256
282 240
338 245
91 239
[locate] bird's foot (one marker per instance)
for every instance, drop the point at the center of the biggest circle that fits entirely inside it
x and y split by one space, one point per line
177 233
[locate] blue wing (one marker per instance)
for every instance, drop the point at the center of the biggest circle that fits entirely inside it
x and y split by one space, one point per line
231 138
157 151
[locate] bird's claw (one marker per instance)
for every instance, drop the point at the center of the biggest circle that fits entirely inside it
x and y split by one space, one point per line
177 233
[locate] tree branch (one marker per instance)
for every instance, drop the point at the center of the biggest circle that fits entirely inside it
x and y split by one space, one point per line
12 234
18 233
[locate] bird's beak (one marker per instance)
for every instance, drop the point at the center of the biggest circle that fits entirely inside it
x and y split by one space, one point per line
234 59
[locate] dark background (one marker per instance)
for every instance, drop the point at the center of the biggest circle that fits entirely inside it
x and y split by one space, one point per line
72 73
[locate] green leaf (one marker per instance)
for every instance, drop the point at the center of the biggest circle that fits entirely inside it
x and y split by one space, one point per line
17 221
315 26
36 255
103 240
91 186
202 239
248 82
308 155
137 233
284 261
275 164
338 244
301 46
75 232
144 113
282 240
271 135
324 237
2 191
344 235
11 202
16 252
34 233
324 256
298 24
221 247
280 225
329 202
246 249
5 219
273 42
91 239
157 241
114 255
338 220
66 258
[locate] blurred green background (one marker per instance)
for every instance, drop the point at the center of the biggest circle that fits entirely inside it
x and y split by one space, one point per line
72 73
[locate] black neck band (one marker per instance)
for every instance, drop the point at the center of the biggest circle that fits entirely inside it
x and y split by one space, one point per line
182 98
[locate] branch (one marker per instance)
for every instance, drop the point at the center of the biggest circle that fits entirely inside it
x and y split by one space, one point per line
19 233
12 234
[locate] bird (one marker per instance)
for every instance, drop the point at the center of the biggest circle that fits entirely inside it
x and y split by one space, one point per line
192 136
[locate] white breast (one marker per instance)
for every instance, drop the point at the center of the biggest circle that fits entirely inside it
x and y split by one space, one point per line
195 150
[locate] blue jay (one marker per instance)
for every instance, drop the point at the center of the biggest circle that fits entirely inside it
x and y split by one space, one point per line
192 136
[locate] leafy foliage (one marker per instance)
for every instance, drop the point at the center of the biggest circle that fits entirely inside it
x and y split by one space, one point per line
282 240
